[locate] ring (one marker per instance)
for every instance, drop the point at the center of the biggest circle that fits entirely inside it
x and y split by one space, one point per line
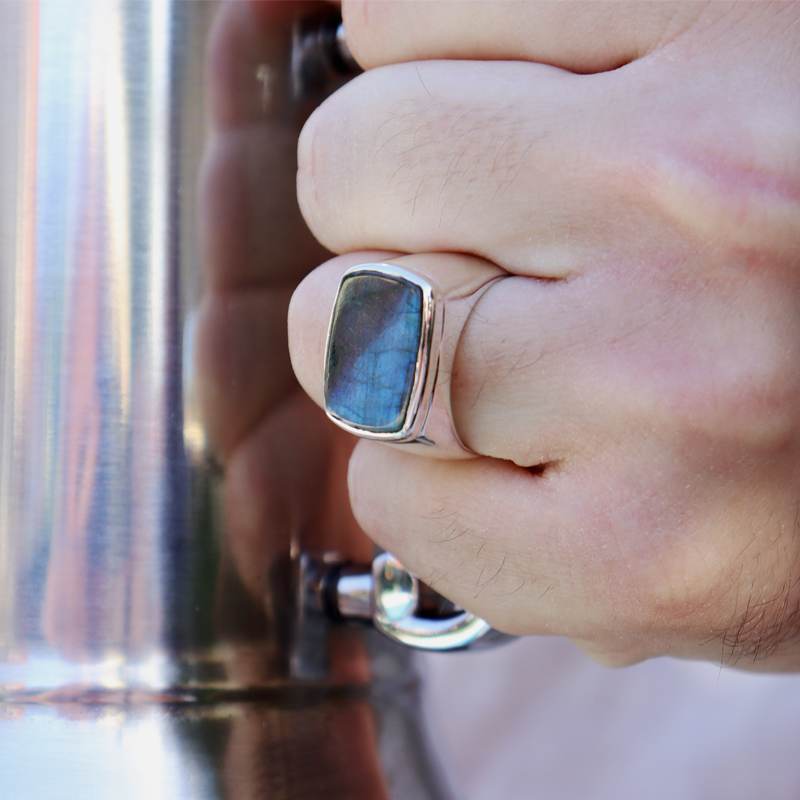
390 349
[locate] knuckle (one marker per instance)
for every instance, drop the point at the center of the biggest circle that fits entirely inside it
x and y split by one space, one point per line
387 149
333 162
437 158
361 19
723 185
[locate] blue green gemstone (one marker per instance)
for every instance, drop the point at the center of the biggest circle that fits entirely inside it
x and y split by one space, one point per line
372 351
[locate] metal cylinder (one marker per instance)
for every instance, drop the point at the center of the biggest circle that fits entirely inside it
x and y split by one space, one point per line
134 660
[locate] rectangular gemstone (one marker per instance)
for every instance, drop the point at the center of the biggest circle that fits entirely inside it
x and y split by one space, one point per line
373 346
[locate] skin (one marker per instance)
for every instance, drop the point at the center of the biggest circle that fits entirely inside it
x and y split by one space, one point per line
633 387
631 390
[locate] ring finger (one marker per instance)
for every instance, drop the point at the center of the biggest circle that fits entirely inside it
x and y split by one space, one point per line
540 369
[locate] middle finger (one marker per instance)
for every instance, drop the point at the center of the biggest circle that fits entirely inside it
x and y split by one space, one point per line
536 169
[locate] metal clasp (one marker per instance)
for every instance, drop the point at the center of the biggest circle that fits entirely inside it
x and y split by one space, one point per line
394 600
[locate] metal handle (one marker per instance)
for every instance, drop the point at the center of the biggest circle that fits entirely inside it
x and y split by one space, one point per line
388 595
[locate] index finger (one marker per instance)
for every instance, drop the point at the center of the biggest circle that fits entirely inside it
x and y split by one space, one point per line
581 37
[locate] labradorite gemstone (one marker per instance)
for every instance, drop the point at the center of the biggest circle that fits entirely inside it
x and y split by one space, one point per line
372 351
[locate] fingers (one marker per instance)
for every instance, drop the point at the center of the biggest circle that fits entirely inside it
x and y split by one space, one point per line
580 37
548 173
542 172
431 161
630 562
491 536
549 371
559 371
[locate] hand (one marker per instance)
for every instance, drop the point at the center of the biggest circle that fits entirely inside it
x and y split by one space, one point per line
632 389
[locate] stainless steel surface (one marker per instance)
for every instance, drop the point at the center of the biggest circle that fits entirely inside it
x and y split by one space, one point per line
105 521
351 745
354 591
135 657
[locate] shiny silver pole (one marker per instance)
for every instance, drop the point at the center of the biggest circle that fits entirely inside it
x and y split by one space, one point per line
134 662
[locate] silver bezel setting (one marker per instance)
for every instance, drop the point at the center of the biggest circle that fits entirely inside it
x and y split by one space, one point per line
427 360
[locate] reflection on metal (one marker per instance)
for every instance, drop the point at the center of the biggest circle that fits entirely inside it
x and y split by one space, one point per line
97 498
319 54
135 659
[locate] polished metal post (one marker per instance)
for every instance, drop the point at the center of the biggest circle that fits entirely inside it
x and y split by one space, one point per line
123 624
99 514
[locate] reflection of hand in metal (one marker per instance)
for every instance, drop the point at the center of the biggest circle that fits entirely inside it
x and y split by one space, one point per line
282 462
305 749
